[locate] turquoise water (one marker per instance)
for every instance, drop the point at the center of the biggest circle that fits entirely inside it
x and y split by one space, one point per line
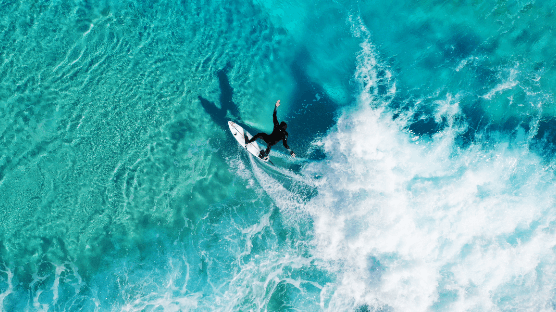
424 179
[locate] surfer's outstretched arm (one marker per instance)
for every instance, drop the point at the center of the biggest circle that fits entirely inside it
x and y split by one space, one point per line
285 141
274 118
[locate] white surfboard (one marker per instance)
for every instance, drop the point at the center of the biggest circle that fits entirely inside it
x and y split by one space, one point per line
240 134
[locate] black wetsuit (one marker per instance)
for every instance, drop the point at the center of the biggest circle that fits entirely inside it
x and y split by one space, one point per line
278 133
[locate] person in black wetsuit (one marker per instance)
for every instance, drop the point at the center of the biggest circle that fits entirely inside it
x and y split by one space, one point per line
278 133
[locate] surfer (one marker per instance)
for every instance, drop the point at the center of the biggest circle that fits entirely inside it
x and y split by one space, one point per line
278 133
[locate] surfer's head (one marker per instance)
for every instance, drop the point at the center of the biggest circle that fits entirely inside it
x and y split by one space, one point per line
283 125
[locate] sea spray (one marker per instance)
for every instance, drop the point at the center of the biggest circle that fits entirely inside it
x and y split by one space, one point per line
426 224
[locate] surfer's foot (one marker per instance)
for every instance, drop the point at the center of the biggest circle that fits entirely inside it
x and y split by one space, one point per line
263 155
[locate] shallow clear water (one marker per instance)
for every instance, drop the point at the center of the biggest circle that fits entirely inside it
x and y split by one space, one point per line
425 171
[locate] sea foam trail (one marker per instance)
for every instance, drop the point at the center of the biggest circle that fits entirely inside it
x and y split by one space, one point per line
426 225
290 203
9 288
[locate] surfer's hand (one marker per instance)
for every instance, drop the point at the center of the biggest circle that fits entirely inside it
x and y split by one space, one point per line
293 154
277 103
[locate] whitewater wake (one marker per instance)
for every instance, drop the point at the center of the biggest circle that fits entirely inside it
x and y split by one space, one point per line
418 224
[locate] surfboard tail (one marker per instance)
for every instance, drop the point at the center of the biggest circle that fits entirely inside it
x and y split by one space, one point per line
242 137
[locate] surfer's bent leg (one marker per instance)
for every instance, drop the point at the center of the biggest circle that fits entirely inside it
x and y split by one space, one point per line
268 149
261 135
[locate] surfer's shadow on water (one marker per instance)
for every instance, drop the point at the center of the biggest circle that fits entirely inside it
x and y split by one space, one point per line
228 109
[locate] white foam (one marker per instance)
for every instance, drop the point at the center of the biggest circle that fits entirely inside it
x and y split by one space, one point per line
509 83
289 202
9 290
257 280
411 226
